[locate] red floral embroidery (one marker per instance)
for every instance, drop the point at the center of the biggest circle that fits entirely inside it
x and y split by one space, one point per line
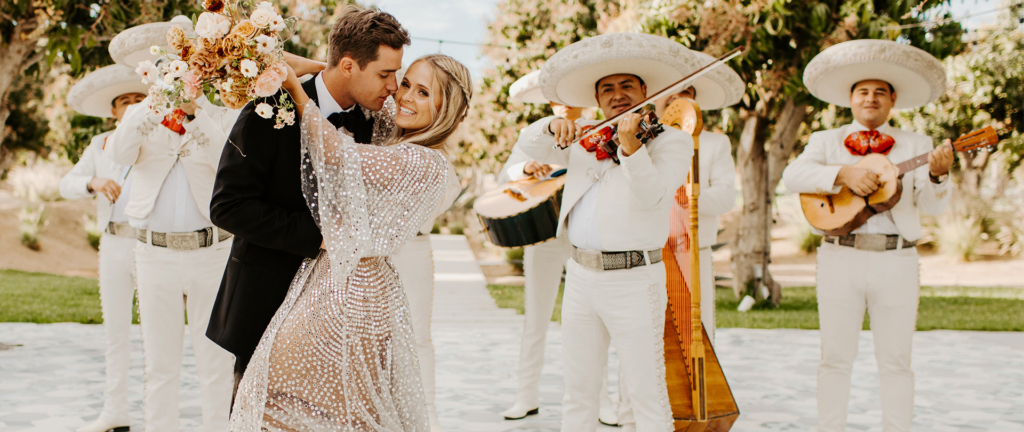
864 142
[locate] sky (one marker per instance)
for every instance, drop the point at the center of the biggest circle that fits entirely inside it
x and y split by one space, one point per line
466 21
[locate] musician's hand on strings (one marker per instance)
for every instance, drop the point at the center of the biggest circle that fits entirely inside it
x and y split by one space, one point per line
107 187
537 169
861 181
629 126
565 131
940 159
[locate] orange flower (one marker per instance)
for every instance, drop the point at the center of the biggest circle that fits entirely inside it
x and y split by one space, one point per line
176 38
187 50
246 29
203 63
209 44
233 45
214 6
234 100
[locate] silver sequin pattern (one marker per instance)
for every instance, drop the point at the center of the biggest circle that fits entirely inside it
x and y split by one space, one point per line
340 354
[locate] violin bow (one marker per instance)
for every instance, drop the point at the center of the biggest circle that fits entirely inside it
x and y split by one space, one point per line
672 88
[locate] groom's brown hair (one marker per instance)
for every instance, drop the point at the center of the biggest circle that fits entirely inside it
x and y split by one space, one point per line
360 32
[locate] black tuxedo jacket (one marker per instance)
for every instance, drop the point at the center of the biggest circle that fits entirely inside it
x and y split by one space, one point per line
257 196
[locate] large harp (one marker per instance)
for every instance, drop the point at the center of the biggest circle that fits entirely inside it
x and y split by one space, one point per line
700 396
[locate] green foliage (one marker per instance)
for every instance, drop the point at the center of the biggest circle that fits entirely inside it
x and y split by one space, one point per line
515 257
27 123
83 129
807 240
514 297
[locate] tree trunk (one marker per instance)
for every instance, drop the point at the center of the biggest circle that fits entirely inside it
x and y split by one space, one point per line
761 169
972 171
18 54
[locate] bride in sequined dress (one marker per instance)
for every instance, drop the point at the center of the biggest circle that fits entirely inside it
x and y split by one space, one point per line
339 355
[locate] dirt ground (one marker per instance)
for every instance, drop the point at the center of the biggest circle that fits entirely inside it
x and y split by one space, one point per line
64 249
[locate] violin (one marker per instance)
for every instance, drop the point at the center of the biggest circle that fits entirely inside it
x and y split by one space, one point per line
605 141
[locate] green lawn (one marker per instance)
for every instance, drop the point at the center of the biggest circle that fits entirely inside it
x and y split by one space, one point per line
48 298
945 308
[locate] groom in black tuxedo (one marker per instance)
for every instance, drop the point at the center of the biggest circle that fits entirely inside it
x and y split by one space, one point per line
258 195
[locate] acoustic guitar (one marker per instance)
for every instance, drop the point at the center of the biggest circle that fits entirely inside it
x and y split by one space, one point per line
841 213
522 212
698 393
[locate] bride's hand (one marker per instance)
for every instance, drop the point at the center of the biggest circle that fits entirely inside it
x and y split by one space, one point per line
294 87
303 66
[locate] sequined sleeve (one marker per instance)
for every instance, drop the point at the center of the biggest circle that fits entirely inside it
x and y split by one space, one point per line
369 200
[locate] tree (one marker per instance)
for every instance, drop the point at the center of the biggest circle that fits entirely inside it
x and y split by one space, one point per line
781 37
77 31
986 88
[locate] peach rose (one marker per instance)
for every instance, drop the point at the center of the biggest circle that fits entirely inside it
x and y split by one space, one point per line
176 38
246 29
233 45
191 85
261 17
234 100
269 82
203 63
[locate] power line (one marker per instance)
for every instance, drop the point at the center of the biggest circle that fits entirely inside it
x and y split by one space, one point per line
951 19
443 41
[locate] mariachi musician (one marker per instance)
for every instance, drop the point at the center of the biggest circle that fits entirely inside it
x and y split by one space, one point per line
615 212
719 88
875 266
542 266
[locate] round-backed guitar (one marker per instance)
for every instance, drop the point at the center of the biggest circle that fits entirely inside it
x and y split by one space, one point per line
522 212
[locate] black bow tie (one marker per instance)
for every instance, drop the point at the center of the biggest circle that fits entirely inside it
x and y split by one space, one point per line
355 122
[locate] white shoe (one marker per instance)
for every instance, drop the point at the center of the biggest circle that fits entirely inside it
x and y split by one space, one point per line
101 425
608 417
631 427
519 411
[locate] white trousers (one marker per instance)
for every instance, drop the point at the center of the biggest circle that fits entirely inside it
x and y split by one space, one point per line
415 266
117 292
707 317
171 284
627 308
886 283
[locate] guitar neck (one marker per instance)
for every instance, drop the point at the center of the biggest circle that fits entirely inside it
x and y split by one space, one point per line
912 164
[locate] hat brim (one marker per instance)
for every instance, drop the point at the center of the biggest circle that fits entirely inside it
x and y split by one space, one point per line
131 47
579 87
94 94
721 87
527 89
917 77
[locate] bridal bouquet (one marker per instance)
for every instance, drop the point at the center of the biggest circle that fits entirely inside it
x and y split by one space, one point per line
236 55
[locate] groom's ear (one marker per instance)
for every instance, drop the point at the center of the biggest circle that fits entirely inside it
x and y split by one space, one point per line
346 65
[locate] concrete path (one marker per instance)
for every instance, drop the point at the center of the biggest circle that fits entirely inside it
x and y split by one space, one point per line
966 381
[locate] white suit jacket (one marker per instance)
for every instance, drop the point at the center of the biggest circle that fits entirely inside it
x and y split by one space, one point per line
815 171
153 149
634 199
93 163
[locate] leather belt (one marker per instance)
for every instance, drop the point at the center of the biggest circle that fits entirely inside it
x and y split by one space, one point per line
600 261
186 241
121 229
870 242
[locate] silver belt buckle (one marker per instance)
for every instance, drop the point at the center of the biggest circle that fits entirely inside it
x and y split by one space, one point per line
183 241
590 259
870 242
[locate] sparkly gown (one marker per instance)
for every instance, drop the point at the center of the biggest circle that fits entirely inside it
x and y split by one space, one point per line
340 354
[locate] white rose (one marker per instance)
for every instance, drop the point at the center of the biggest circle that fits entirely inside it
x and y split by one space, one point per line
265 44
264 110
147 71
277 23
212 25
168 79
266 5
261 17
249 68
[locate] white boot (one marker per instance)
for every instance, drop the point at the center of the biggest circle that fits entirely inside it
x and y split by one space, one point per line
102 425
519 411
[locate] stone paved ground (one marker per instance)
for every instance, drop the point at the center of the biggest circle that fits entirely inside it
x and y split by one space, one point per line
966 381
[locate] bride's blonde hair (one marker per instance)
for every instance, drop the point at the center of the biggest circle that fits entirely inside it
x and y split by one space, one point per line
456 92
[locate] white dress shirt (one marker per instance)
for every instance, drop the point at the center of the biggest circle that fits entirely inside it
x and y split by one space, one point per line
881 223
175 209
583 231
328 105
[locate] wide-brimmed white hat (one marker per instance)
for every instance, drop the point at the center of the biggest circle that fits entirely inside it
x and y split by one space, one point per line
527 89
720 87
93 94
917 76
132 45
569 76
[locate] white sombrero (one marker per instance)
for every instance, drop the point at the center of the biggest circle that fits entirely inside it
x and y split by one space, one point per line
917 76
527 89
93 94
132 45
569 76
719 88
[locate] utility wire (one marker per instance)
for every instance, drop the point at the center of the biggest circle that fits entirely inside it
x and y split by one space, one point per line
951 19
